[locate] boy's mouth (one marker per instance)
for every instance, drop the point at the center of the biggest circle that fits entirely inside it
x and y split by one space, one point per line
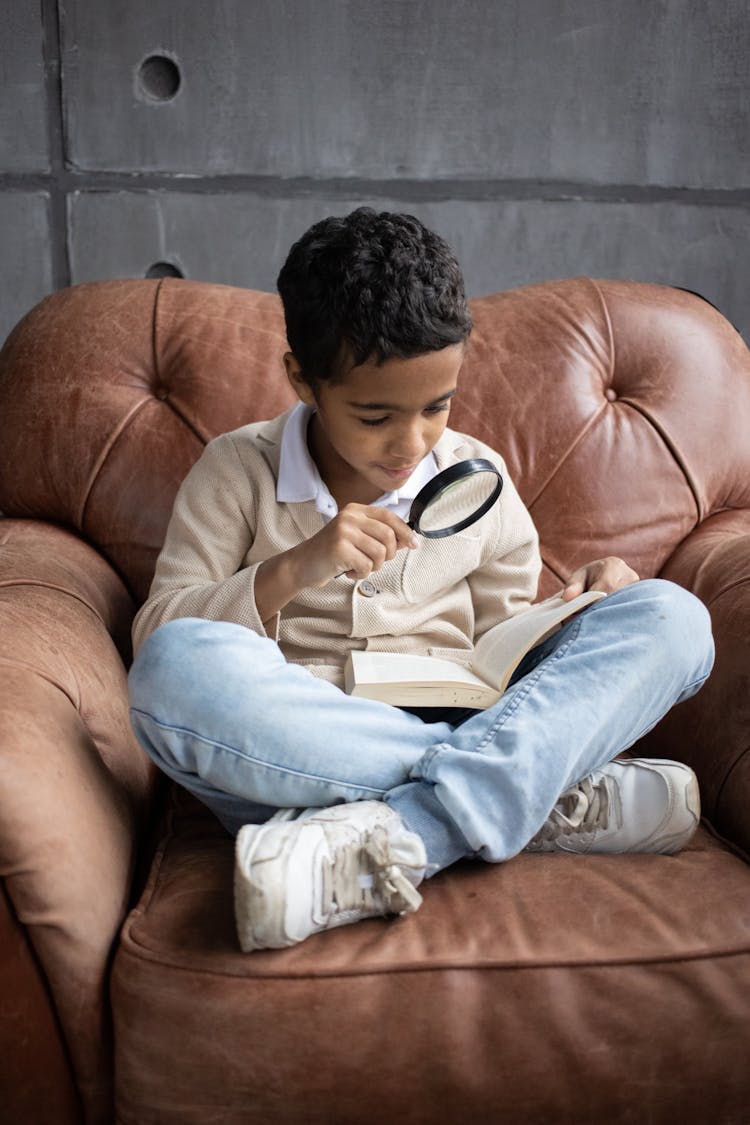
397 474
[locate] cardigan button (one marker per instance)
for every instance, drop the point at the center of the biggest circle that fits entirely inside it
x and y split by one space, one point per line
367 588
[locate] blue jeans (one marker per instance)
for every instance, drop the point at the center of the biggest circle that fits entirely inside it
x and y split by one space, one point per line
221 712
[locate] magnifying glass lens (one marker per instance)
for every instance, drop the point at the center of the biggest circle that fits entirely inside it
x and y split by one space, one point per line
457 502
456 498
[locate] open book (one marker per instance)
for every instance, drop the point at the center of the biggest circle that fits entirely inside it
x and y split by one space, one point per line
431 681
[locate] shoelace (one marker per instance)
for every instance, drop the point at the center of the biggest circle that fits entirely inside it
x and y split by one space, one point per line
365 878
582 808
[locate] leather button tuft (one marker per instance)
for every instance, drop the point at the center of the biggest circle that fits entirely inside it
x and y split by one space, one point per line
161 392
610 394
367 588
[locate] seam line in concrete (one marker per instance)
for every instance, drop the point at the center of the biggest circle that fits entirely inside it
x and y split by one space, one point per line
64 180
52 183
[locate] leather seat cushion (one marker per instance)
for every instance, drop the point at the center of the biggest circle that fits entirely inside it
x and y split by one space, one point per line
645 959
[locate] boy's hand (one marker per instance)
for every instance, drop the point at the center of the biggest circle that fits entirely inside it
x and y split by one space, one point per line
608 574
355 543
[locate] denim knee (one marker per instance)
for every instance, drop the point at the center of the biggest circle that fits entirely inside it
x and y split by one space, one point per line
158 662
679 623
173 655
191 662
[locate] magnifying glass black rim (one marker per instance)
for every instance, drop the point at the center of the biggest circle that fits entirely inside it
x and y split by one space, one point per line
444 479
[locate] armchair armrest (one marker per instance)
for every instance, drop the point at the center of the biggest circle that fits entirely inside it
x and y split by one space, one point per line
74 785
711 731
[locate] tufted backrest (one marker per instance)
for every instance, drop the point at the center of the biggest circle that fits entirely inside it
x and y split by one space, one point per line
621 408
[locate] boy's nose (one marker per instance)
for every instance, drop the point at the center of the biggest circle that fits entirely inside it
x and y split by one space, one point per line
408 445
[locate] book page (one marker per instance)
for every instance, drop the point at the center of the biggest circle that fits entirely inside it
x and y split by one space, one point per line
394 667
415 681
503 647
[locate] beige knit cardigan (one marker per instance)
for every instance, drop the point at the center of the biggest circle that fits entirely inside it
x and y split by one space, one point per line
438 599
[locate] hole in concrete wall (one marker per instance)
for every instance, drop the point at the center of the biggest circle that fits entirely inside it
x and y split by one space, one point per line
159 78
164 269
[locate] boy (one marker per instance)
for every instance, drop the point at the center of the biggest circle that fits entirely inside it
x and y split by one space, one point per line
287 547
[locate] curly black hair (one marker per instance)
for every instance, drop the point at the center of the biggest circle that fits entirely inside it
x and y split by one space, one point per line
370 285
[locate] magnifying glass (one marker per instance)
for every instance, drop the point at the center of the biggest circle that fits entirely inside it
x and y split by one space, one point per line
455 498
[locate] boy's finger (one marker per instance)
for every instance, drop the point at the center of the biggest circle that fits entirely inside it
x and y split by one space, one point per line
405 537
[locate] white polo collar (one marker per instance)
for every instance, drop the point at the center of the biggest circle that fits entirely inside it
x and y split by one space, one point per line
299 479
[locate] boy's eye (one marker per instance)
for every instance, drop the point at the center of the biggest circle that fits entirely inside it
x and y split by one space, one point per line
439 408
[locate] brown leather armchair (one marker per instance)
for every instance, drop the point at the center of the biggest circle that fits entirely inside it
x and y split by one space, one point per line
551 988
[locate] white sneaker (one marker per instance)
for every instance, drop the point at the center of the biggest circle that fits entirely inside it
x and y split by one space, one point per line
328 868
630 805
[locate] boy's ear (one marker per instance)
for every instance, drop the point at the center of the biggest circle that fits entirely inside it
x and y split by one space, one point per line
299 384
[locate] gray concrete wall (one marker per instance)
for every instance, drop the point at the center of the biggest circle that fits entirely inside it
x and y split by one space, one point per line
543 138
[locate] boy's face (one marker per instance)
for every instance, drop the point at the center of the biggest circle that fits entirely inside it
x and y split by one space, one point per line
376 422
